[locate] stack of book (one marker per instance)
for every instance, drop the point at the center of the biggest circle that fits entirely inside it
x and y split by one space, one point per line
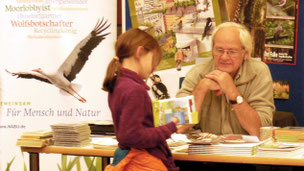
234 149
39 138
106 143
289 134
102 128
71 135
279 149
235 145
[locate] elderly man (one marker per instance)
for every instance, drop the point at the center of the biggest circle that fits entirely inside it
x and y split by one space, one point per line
233 92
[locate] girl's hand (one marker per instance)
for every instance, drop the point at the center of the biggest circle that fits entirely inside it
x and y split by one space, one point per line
183 128
175 120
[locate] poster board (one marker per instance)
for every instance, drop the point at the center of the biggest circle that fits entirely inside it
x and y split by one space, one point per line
42 34
183 25
281 32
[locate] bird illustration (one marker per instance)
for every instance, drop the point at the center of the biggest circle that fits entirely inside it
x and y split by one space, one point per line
281 3
207 5
159 89
208 28
72 65
277 31
180 24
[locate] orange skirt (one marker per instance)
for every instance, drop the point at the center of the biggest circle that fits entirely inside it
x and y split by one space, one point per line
139 160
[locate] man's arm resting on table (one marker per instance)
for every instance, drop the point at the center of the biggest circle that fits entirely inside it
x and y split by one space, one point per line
248 118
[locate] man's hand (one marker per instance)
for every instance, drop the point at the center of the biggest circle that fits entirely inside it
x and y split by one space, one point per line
200 90
225 82
211 85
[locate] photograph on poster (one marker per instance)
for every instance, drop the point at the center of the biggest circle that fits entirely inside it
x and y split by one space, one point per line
280 32
182 28
281 89
285 9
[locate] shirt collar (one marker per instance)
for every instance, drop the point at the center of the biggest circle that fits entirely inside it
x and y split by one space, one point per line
246 73
133 76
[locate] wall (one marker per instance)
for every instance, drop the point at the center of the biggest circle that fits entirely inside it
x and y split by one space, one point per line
292 73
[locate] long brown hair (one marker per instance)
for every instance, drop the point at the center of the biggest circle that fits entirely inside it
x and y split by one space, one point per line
126 46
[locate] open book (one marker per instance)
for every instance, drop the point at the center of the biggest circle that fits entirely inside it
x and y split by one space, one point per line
182 108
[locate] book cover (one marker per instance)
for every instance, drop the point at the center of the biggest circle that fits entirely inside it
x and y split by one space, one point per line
34 142
232 149
182 108
37 134
107 142
280 149
289 135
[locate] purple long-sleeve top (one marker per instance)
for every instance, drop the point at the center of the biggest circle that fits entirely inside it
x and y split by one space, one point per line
132 115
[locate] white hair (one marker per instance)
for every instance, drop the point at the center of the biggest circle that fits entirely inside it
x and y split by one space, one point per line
245 36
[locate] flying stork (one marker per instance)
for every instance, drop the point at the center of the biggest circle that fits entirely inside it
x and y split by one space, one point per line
72 65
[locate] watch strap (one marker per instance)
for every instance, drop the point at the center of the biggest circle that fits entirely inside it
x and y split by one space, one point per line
239 100
232 102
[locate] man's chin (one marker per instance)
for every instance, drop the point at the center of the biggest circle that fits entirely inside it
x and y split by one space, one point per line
224 70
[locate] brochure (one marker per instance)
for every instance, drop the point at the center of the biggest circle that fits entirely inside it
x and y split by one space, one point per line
182 108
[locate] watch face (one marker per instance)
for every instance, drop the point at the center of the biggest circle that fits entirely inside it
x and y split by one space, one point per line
239 99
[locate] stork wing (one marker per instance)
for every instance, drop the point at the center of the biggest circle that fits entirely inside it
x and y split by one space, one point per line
78 57
29 75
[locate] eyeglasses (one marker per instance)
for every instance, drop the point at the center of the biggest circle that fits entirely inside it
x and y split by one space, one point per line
231 53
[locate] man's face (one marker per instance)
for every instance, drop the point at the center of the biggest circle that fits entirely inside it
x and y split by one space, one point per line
228 52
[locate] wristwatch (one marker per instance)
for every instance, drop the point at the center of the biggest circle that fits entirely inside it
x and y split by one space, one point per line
239 100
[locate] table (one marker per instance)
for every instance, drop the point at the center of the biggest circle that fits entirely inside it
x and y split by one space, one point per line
77 151
107 154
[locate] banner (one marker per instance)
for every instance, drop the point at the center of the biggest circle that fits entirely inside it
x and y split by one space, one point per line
183 30
51 35
281 32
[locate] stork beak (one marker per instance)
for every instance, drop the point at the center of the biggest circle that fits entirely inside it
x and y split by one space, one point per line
35 70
